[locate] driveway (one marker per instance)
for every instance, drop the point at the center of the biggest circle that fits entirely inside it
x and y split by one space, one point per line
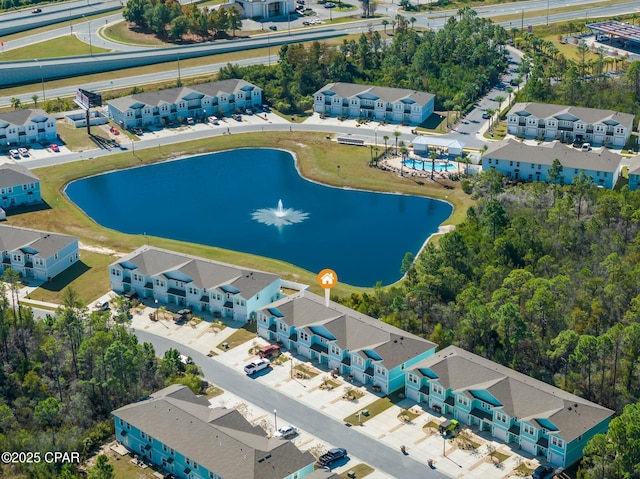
291 411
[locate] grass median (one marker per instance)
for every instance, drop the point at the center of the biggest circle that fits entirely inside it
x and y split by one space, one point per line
317 160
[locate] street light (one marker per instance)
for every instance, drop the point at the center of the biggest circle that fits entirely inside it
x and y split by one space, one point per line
275 419
44 97
547 12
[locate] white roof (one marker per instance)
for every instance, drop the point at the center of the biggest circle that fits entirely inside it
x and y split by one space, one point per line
437 141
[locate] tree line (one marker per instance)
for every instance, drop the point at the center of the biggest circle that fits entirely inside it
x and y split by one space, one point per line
172 21
457 63
62 377
543 278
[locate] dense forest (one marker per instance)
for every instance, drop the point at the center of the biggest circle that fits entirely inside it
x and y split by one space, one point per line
62 377
542 278
457 63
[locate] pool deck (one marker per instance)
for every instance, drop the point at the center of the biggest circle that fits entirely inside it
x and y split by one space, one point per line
394 163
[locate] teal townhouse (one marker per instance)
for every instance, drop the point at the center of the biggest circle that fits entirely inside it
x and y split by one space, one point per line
36 254
178 431
522 162
634 173
203 285
18 186
369 350
543 420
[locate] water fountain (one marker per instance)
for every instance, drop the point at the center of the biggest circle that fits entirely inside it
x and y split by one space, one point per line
279 216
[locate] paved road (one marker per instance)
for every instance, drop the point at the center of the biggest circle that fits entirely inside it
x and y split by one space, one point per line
372 452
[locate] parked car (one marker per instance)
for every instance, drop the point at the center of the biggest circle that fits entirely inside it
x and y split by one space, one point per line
53 147
542 472
486 116
269 351
286 432
273 27
256 366
14 154
329 5
191 121
449 426
306 23
265 108
586 146
23 152
214 120
36 10
248 111
332 456
138 131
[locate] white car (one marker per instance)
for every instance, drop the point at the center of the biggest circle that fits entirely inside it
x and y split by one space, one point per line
286 432
257 365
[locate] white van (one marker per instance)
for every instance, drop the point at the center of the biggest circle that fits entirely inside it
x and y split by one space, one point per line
586 146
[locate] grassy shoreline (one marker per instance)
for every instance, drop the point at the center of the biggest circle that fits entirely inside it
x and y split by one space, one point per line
316 159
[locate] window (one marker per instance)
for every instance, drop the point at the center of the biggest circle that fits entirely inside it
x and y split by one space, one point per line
436 388
335 350
511 163
143 435
159 282
463 401
556 441
304 336
529 429
412 379
490 160
357 360
502 417
188 461
55 256
381 371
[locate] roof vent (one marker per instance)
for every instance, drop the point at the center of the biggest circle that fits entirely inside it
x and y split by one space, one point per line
268 456
261 459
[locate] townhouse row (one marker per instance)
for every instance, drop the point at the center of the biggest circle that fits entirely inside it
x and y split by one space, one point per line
24 127
540 418
39 255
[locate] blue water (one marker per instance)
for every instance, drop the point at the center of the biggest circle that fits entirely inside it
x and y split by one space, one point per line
426 165
209 199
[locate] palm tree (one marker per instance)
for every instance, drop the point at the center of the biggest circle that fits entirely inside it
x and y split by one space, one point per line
509 90
35 100
385 138
385 22
393 27
396 134
15 103
490 112
500 99
412 20
433 156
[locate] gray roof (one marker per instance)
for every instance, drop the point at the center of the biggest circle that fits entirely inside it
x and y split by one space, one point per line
521 396
512 150
204 273
634 165
218 439
13 238
173 95
12 174
22 117
353 331
387 94
586 115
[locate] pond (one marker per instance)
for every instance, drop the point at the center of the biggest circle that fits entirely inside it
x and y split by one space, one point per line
254 201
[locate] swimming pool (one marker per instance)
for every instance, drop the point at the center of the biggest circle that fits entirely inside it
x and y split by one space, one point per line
426 165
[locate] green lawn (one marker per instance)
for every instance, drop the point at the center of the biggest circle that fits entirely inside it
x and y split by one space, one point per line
88 277
67 46
241 336
360 470
375 408
121 33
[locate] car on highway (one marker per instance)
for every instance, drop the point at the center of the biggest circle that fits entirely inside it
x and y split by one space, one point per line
332 456
256 366
329 5
286 432
36 10
273 27
542 472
